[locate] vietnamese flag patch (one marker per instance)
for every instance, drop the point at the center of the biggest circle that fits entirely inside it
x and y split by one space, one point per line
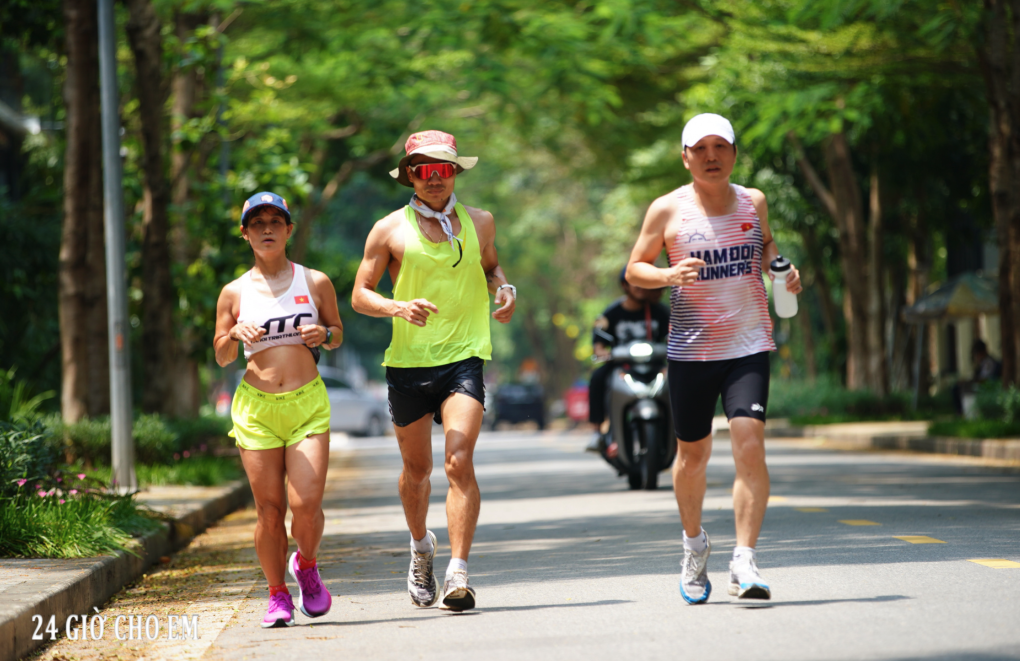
747 226
301 299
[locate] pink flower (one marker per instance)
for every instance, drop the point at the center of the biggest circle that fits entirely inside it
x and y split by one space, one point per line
61 501
186 454
202 447
42 494
60 479
176 456
73 492
21 483
81 476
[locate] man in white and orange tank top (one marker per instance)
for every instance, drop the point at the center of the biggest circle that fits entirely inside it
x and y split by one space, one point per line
718 240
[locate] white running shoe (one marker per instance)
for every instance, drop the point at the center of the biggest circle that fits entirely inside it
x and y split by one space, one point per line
746 582
457 594
694 584
421 579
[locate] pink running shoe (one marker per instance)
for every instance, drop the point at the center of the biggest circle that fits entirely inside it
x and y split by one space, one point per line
313 597
280 613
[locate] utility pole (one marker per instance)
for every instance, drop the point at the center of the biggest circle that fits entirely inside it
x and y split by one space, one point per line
124 480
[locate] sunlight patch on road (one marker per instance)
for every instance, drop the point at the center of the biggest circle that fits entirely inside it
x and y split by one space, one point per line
859 522
997 563
811 509
919 539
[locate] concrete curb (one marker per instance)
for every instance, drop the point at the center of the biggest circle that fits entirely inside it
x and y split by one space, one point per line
62 588
906 436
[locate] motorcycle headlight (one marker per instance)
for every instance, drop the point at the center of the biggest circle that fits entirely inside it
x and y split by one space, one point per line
640 350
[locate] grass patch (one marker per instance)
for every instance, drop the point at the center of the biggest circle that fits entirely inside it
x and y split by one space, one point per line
975 428
80 527
195 471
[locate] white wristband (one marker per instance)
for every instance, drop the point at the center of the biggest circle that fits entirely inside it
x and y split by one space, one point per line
513 290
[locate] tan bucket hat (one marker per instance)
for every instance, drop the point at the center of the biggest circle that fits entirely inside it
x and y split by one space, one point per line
435 144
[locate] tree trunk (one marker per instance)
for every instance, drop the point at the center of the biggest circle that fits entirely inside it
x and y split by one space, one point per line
85 388
999 57
185 396
853 252
878 373
158 341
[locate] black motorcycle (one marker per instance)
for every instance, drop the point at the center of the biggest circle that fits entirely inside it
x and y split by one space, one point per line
641 441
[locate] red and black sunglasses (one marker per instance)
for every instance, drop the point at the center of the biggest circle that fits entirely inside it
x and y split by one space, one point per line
426 170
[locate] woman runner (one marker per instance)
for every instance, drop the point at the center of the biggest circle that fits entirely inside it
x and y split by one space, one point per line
282 312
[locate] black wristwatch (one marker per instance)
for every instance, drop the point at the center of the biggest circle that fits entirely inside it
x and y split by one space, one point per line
329 336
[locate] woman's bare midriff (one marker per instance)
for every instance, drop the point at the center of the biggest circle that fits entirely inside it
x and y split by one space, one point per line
281 369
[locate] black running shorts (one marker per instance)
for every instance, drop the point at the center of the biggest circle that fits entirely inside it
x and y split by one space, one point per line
415 392
695 386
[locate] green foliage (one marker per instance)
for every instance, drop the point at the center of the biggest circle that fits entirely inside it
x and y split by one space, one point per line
202 471
157 440
16 401
1009 399
975 428
826 401
28 453
79 526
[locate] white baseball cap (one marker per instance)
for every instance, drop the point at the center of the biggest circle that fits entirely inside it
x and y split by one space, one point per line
707 124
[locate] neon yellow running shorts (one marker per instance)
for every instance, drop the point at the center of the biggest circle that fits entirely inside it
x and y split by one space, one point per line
264 421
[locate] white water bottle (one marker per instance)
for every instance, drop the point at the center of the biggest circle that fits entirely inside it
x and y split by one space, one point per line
785 302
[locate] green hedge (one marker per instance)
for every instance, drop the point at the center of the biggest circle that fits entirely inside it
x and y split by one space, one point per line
157 440
826 400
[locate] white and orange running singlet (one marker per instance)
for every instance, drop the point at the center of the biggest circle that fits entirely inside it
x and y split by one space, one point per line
724 313
279 316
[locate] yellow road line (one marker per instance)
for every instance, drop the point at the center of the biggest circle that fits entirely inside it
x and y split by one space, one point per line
997 563
859 522
811 509
919 539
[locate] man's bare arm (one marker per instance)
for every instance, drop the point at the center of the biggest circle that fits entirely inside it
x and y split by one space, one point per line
485 227
366 300
769 248
641 269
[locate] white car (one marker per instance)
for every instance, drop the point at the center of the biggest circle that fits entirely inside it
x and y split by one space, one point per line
351 409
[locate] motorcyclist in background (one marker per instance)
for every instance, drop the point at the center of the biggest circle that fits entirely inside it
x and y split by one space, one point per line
637 315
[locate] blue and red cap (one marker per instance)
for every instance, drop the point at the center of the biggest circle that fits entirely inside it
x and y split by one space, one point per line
264 199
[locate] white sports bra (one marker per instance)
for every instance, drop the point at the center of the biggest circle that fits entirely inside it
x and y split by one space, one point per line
279 316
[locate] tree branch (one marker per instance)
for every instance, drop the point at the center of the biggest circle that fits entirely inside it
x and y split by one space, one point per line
812 175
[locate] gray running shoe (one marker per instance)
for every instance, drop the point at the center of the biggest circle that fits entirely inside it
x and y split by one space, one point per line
421 580
694 584
457 594
746 582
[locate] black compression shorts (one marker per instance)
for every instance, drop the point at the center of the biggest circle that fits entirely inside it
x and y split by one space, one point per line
415 392
695 386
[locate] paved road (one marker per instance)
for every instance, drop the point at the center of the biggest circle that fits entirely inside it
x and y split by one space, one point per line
568 564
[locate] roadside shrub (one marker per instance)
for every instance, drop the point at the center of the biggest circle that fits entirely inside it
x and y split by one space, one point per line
827 399
158 440
58 524
28 454
975 428
200 471
16 399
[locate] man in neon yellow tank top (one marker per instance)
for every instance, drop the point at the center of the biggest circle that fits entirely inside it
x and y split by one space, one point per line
441 256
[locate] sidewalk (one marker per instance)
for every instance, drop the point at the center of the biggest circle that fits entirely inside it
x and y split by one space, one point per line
61 588
911 435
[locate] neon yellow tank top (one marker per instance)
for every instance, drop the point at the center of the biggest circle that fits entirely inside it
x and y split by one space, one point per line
453 283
